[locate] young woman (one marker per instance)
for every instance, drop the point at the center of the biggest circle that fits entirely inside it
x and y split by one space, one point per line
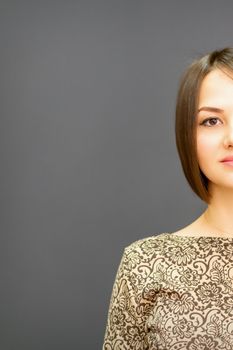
174 291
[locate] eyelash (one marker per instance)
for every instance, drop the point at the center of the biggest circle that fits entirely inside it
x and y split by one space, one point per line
207 119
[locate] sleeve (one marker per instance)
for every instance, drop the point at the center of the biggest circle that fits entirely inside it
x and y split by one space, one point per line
125 328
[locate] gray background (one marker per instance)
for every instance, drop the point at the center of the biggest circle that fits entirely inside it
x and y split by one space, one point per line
87 150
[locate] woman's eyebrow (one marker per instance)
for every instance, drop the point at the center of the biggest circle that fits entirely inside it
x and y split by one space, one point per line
211 109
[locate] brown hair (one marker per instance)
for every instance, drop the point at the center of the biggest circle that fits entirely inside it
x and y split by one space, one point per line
186 111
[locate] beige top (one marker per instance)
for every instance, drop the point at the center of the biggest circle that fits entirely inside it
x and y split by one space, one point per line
173 293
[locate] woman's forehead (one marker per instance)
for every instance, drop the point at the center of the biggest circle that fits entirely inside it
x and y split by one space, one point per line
217 86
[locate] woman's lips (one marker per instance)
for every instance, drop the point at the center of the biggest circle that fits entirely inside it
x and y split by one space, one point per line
228 162
227 159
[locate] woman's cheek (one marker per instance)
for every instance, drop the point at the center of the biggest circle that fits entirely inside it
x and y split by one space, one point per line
206 149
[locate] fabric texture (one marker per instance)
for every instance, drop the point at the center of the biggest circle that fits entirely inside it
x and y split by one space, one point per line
173 293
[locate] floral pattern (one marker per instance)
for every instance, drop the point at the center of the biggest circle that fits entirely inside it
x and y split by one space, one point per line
173 293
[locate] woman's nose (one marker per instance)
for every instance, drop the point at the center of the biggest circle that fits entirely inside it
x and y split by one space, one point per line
228 137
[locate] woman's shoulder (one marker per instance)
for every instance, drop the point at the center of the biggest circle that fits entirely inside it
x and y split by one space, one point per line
143 251
147 243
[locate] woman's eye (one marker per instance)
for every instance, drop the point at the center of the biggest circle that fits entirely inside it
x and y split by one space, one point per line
211 121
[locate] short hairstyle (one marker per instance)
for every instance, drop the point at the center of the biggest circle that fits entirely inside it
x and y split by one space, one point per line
186 113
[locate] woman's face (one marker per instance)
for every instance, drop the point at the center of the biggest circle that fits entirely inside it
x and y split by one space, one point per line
215 136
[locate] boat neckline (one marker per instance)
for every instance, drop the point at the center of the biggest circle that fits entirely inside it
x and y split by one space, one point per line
199 237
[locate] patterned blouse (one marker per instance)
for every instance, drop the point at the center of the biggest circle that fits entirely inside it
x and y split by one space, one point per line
173 293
